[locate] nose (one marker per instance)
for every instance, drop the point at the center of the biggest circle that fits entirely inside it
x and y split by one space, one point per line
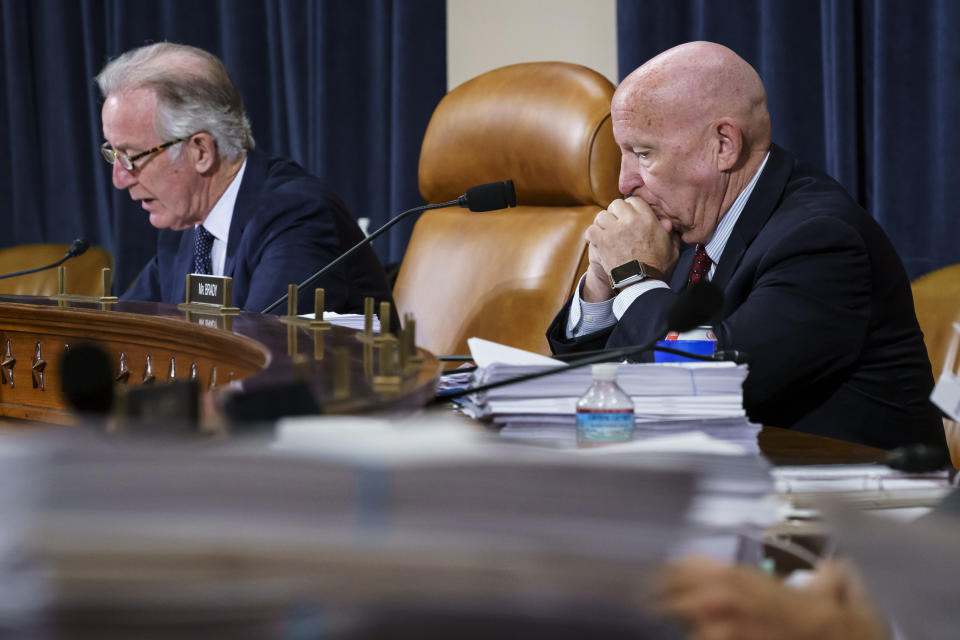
630 179
122 179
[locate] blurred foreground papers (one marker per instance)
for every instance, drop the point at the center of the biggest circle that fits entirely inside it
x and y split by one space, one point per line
911 569
142 531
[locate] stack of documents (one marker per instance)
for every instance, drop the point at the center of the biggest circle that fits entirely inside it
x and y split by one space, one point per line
349 320
866 486
668 398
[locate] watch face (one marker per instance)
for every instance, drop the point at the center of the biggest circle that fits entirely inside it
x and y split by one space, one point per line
626 270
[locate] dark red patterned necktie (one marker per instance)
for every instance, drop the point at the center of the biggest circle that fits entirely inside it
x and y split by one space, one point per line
701 265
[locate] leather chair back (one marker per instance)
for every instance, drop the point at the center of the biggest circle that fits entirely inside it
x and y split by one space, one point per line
503 275
936 299
83 275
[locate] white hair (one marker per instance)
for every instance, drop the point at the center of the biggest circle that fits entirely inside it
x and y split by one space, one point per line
194 93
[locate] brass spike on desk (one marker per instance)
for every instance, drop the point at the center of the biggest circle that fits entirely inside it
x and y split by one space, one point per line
213 378
318 307
413 356
106 275
389 379
318 343
368 359
341 373
194 373
172 376
61 286
403 350
301 367
385 317
292 346
292 301
368 316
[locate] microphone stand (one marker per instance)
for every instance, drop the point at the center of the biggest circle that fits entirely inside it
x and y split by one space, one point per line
370 238
78 247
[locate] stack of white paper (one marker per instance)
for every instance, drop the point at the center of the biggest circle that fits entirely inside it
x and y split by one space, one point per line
349 320
866 485
668 398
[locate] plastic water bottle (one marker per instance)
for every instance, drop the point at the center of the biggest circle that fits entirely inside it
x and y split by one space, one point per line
604 412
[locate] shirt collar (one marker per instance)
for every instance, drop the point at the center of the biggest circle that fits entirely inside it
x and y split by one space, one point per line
724 228
218 220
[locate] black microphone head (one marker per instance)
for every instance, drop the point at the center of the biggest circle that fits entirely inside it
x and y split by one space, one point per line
695 306
78 247
87 379
918 458
490 196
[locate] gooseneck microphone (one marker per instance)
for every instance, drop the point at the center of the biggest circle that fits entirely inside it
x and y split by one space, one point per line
483 197
76 248
694 306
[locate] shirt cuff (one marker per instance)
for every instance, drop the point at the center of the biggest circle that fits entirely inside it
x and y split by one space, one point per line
587 317
626 297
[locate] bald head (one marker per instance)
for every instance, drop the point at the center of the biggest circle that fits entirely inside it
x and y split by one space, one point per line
692 85
693 129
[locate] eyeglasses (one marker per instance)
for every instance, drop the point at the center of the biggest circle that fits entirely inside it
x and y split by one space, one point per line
111 155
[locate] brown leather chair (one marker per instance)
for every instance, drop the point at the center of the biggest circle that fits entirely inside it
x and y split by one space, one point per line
936 298
83 273
503 275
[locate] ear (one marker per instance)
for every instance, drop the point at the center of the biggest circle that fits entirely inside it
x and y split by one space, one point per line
202 152
729 143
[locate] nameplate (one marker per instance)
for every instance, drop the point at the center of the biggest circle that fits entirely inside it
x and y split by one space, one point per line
207 292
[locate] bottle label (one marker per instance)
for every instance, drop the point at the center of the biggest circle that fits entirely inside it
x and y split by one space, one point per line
614 425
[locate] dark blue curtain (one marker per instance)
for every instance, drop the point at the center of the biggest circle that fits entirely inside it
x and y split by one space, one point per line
344 87
866 89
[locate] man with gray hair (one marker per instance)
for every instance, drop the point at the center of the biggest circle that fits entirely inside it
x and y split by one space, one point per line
180 143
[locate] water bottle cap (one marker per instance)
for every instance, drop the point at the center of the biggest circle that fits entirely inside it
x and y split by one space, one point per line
605 371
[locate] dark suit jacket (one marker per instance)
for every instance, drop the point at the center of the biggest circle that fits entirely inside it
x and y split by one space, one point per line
817 296
286 225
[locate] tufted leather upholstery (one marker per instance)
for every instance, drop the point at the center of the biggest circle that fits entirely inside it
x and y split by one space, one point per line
503 275
83 275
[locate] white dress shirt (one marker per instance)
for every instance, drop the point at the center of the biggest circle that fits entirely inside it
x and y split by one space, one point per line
218 222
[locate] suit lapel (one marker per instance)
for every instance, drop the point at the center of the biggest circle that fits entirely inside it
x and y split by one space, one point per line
182 264
682 271
766 194
244 207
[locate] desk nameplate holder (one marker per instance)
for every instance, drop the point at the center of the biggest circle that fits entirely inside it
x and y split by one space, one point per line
210 298
105 300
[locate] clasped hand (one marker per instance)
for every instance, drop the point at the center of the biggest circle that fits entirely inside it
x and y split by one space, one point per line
626 230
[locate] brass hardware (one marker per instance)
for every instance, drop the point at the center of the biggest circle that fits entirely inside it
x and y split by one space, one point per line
106 275
37 367
148 377
318 306
341 373
6 366
123 375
